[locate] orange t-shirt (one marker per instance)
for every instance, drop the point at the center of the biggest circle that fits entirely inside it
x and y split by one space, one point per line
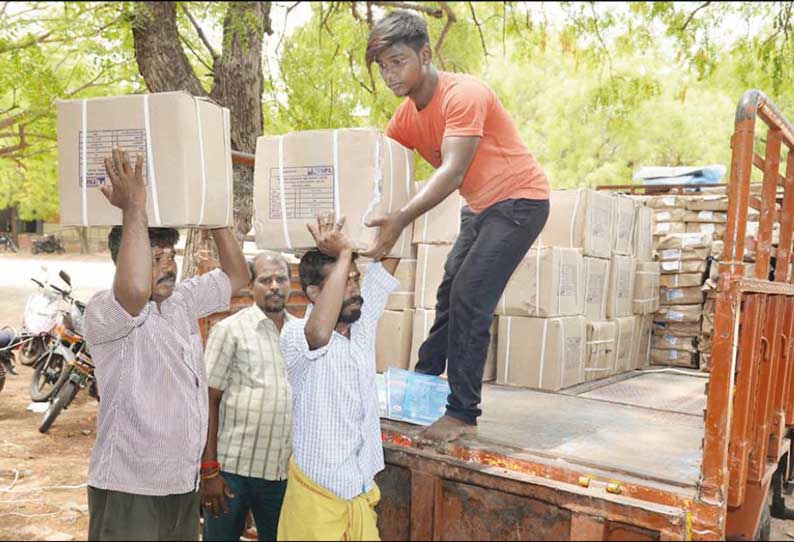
462 105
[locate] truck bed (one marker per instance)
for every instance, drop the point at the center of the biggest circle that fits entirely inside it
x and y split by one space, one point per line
643 425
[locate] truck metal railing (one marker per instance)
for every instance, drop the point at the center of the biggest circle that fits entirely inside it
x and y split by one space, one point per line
750 403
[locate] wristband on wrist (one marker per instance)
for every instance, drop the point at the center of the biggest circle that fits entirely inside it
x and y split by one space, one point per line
210 465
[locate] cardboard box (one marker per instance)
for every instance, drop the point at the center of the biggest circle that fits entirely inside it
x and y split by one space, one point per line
679 313
681 296
430 263
354 172
393 343
600 350
662 202
621 287
713 217
671 342
677 358
684 254
402 298
683 266
185 142
549 281
541 353
624 344
596 285
441 224
714 202
666 228
681 280
646 287
716 230
643 233
685 241
642 341
689 329
580 218
623 211
423 321
669 215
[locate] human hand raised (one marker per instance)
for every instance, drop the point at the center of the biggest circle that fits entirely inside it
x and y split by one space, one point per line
328 235
126 189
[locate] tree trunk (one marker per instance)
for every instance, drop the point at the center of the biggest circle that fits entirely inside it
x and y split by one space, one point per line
238 85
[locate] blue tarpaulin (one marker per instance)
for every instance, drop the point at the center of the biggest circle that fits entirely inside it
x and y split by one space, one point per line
695 175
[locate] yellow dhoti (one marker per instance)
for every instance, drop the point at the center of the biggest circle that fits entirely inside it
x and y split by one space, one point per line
311 512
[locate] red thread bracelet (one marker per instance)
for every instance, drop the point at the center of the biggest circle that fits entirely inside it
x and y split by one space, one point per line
210 465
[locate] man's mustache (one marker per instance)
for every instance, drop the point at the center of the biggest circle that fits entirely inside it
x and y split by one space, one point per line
166 278
357 300
275 297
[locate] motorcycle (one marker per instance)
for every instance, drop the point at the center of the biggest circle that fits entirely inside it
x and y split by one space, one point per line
7 243
52 309
72 348
49 244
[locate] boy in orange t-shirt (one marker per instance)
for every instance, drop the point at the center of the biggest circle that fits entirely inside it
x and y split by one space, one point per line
457 123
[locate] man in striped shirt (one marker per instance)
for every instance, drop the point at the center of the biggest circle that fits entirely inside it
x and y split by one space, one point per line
143 476
250 398
330 356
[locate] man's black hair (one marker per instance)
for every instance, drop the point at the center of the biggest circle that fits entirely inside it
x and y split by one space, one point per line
312 268
158 237
399 26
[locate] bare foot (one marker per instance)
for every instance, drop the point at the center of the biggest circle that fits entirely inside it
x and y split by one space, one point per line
445 429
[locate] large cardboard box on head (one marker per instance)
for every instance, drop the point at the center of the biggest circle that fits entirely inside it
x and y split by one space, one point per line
623 216
186 148
355 172
393 343
547 282
596 285
542 353
600 350
579 218
430 262
441 224
423 321
621 287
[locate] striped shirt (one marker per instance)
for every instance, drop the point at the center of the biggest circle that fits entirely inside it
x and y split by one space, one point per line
336 425
244 361
152 421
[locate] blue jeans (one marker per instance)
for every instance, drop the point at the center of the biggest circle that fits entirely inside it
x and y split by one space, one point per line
262 497
489 248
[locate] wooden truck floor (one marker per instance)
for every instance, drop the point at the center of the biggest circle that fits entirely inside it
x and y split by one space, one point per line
641 426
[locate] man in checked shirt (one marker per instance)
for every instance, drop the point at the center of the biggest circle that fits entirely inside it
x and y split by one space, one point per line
330 357
143 477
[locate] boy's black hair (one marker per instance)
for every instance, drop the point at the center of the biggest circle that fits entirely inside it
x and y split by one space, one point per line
158 237
312 268
399 26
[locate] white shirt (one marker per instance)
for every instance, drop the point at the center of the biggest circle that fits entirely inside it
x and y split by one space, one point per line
336 425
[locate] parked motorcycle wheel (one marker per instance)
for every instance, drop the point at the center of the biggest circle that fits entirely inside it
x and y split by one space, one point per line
48 378
2 376
62 400
30 352
35 249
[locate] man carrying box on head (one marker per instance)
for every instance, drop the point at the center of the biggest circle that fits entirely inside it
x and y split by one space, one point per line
144 472
330 356
459 126
250 424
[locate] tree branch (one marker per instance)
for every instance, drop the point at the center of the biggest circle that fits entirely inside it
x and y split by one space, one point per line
186 41
692 15
600 38
24 44
433 12
201 34
479 28
450 21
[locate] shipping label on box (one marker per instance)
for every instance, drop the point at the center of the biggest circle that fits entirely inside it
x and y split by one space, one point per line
679 313
393 343
621 287
681 296
186 146
662 202
430 263
669 215
580 219
712 217
672 342
541 353
596 286
355 172
547 282
600 350
441 224
623 220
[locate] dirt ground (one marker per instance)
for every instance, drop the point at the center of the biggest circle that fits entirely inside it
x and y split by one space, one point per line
42 477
